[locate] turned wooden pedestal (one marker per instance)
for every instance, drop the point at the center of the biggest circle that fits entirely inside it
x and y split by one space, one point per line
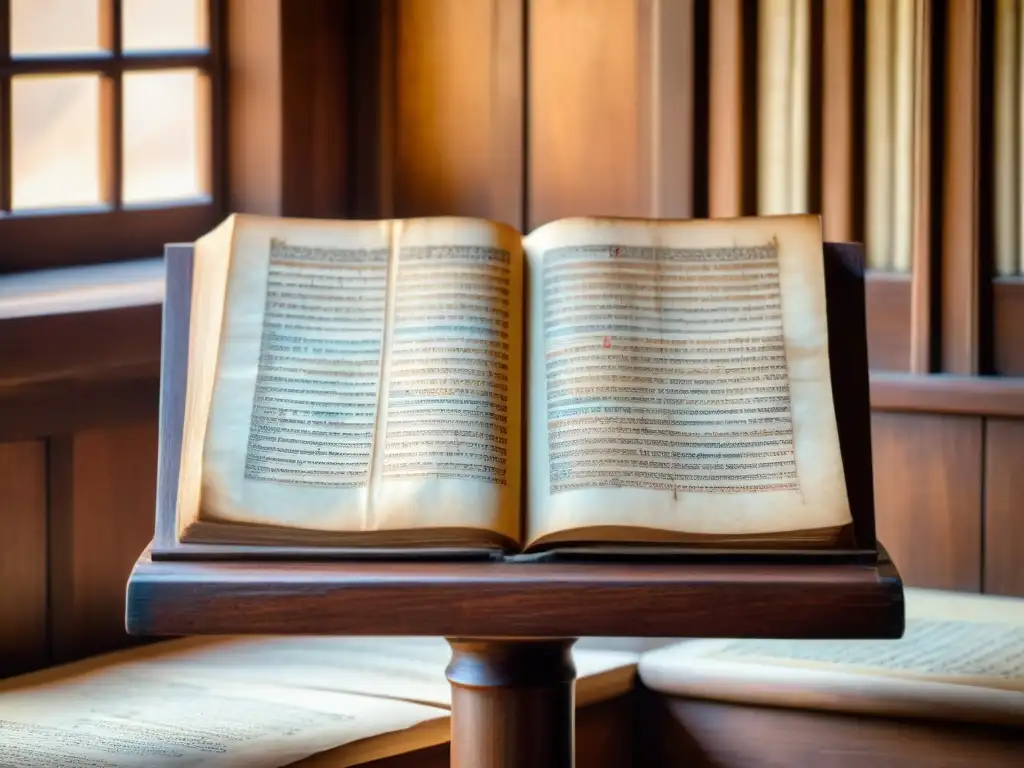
512 703
511 626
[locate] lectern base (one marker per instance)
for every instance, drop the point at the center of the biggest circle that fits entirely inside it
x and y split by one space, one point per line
511 626
512 703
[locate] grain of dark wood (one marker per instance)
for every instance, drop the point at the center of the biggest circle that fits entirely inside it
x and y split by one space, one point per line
512 704
23 630
848 363
46 242
514 600
706 734
928 473
313 109
1004 507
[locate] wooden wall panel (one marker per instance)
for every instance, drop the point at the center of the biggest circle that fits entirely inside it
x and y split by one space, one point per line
585 146
1004 507
676 731
1008 326
456 115
928 472
23 643
102 496
609 92
888 300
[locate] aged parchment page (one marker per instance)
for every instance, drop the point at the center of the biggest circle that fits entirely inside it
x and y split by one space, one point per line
152 718
679 378
365 377
290 389
450 415
962 657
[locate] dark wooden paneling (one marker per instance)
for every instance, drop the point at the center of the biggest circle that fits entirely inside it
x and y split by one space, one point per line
457 133
63 407
704 734
81 345
1004 506
928 497
313 108
888 309
1008 326
22 556
947 393
102 494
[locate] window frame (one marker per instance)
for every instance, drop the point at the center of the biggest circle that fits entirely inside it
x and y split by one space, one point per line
33 240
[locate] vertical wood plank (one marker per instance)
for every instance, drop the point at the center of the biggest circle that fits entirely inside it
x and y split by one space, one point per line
23 643
921 341
928 497
961 158
837 187
725 110
1004 510
584 133
671 81
313 109
102 495
457 113
255 171
609 95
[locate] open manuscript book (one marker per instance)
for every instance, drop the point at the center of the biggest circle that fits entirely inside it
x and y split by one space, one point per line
449 383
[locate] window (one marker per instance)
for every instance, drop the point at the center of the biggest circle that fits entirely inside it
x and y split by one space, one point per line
110 128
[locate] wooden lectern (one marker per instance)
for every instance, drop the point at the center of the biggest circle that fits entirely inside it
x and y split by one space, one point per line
511 626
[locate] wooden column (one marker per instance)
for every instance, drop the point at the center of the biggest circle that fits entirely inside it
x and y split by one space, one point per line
512 703
960 207
837 123
725 110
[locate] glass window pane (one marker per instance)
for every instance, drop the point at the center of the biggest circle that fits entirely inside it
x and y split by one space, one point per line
55 141
165 136
153 25
55 27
